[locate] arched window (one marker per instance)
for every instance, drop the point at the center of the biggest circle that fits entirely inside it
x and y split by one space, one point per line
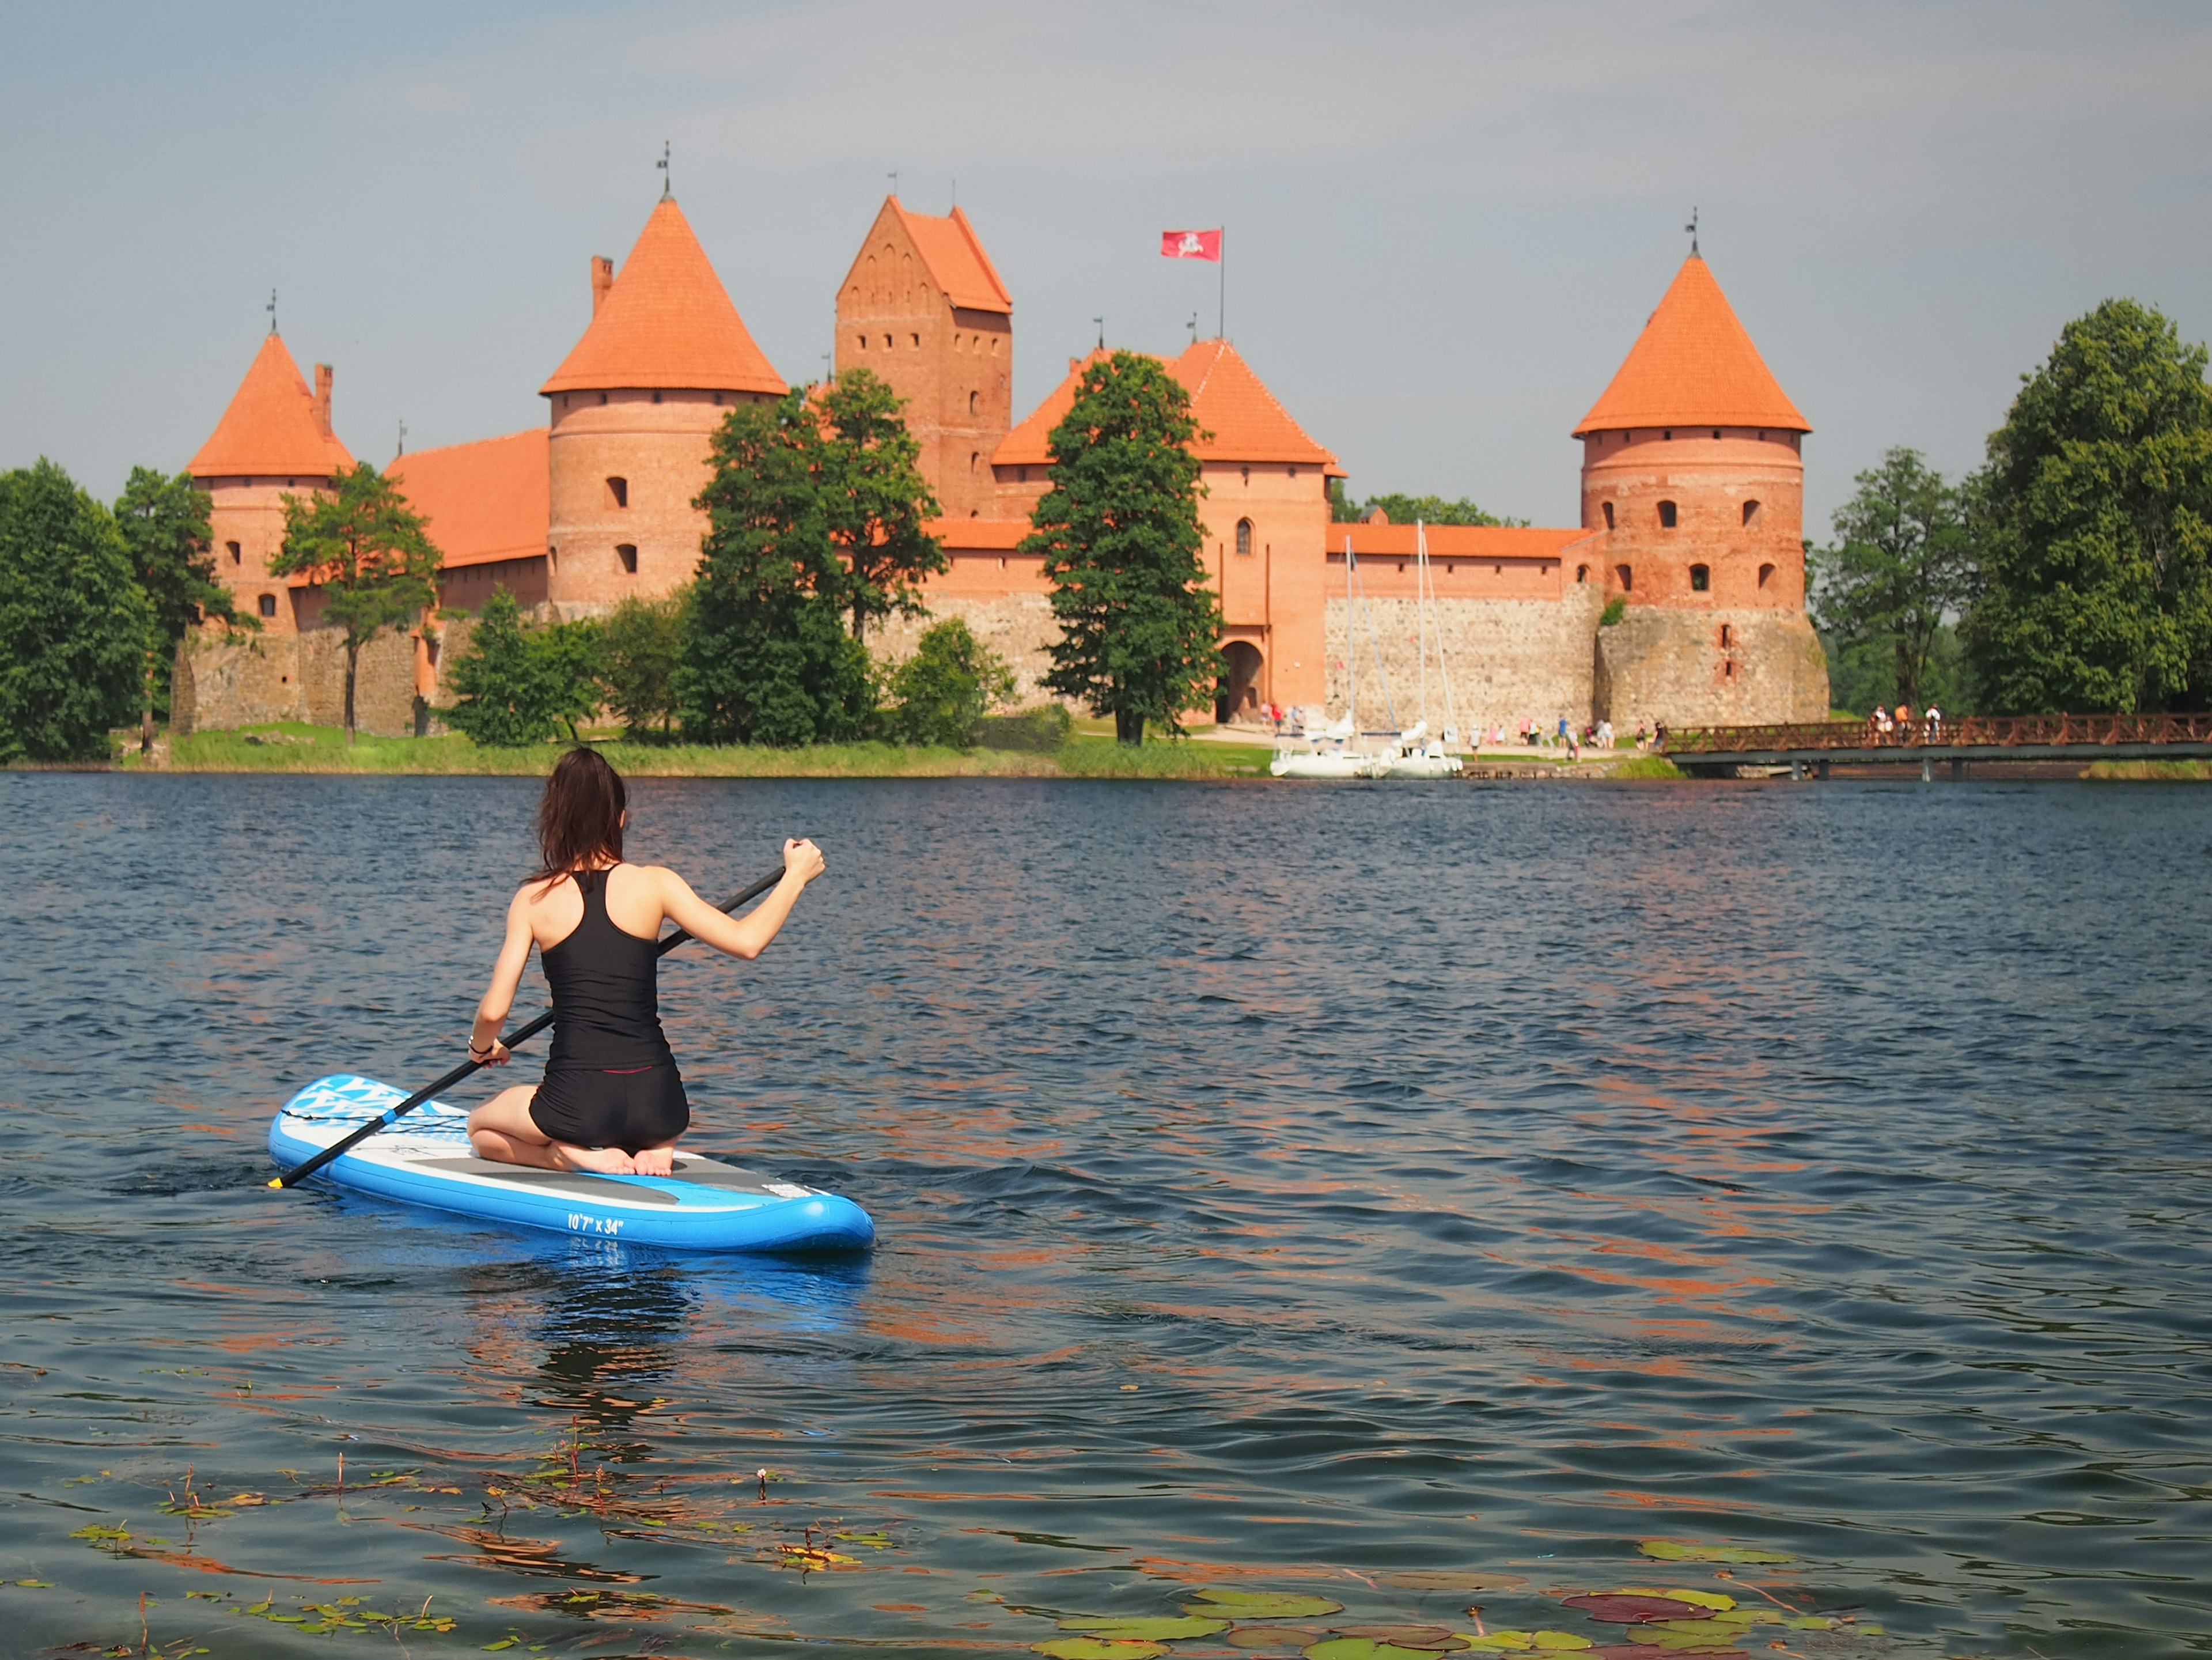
1608 515
1701 578
1750 515
1582 574
617 492
236 556
1666 515
975 403
1244 536
1766 574
627 553
863 342
1627 578
268 604
975 460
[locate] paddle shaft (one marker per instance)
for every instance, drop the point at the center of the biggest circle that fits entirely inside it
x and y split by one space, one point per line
521 1035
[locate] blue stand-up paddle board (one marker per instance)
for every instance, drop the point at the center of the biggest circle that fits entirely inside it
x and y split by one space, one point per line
424 1159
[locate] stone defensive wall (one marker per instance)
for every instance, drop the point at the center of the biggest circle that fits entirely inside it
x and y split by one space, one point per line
1508 660
1717 668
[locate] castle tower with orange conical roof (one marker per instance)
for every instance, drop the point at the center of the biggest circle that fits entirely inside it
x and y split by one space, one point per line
923 308
633 408
1693 481
274 440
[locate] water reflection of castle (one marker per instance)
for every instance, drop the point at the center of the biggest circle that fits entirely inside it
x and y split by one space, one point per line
1691 490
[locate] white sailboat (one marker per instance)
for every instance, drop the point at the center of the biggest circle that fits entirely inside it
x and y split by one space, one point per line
1341 758
1416 755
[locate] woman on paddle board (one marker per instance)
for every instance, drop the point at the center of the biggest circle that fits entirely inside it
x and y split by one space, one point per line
611 1100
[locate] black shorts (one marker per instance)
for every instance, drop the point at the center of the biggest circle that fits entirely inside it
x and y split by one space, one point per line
632 1111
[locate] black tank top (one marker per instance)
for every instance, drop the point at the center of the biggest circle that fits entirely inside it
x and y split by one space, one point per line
606 994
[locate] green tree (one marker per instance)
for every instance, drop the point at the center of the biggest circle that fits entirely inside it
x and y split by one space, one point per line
765 656
948 685
1898 570
164 522
2093 526
518 682
875 498
1402 509
365 549
642 640
1120 533
74 623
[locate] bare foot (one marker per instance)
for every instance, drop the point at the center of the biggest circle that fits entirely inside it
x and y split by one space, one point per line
655 1161
601 1161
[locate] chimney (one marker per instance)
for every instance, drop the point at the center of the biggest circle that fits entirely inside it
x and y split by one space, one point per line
603 278
323 398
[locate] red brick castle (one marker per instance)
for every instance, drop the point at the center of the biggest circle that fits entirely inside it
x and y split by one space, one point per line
1692 492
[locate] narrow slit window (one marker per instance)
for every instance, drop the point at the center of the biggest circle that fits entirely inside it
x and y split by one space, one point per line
1766 574
237 555
1627 578
1608 515
617 492
1582 574
1666 515
627 553
1728 636
1701 578
975 403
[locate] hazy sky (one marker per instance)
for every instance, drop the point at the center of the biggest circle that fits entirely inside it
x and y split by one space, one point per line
1446 223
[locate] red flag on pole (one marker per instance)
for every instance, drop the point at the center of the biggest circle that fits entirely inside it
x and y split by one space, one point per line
1190 245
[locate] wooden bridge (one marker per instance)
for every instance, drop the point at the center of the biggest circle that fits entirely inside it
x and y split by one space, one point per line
1821 745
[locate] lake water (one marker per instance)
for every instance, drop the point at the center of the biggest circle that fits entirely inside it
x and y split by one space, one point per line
1285 1190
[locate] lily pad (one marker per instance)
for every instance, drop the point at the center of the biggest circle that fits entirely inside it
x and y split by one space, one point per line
1559 1642
1667 1551
1619 1608
1096 1648
1405 1636
1273 1638
1505 1639
1260 1604
1458 1579
1364 1648
1157 1628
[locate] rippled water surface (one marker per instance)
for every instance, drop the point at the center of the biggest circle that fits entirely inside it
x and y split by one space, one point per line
1283 1190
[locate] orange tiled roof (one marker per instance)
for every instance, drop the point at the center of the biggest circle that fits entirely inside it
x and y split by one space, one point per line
977 535
1693 364
956 261
484 502
1455 541
668 322
270 426
1232 405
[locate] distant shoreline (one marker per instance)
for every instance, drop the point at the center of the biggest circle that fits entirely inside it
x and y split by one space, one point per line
292 748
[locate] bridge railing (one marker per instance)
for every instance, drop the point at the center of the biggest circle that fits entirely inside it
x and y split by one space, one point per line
1980 730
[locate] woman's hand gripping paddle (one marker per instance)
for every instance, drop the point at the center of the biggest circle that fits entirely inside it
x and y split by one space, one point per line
522 1034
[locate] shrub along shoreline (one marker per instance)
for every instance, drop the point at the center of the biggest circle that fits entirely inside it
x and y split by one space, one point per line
291 747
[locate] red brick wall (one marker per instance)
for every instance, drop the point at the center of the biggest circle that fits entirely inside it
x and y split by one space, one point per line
954 368
250 512
1710 480
657 442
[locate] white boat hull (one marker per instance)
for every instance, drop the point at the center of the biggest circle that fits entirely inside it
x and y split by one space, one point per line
1326 763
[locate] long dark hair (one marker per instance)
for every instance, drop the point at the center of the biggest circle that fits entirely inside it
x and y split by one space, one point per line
579 821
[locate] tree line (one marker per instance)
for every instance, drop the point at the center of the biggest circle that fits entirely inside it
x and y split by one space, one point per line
2072 571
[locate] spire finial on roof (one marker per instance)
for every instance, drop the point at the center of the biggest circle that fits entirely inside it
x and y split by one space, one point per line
1102 332
1693 229
667 178
402 449
271 309
893 176
1194 328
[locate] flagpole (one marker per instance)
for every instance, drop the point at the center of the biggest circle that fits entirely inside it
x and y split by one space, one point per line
1221 313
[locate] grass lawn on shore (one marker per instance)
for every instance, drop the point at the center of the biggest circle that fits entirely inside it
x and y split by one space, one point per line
292 747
